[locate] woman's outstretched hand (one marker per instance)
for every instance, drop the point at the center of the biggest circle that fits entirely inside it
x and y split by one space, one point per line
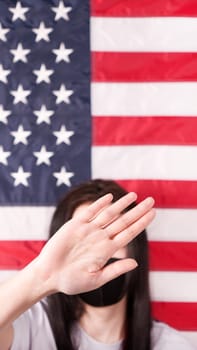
73 260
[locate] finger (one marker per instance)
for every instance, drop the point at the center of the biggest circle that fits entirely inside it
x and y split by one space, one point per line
124 237
93 209
116 269
114 210
130 217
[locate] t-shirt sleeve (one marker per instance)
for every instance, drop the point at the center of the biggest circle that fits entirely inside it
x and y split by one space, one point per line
167 338
32 330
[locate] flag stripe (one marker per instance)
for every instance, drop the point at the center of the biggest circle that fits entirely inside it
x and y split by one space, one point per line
144 66
175 256
17 254
173 286
165 192
173 225
165 286
144 99
127 8
25 223
169 225
145 162
178 34
182 316
118 130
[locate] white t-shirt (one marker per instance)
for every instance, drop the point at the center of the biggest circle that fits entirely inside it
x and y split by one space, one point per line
32 331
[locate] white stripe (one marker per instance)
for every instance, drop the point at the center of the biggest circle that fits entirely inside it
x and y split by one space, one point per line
174 225
25 223
33 224
144 34
165 286
173 286
144 162
144 99
169 224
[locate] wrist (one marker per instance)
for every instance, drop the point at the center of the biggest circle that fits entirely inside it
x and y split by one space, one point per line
39 280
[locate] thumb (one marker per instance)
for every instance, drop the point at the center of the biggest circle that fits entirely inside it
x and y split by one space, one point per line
111 271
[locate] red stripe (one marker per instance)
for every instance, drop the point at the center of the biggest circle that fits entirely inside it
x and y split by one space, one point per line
113 131
143 66
165 192
176 256
16 254
136 8
178 315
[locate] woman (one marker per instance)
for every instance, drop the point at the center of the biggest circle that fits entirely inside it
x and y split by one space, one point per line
67 309
89 250
131 315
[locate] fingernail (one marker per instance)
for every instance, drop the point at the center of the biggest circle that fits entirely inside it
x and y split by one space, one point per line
150 200
135 264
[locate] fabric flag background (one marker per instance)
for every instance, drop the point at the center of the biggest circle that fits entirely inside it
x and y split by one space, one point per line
142 126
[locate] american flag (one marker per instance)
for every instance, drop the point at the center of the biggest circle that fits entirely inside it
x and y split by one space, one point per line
45 123
141 129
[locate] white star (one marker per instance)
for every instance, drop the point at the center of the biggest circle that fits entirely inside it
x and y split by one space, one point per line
21 177
63 177
20 95
43 115
43 156
3 32
18 12
61 11
63 135
20 53
20 135
62 54
62 94
3 74
4 114
43 74
42 33
3 156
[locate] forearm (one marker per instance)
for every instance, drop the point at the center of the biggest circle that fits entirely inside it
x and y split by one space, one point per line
22 291
6 337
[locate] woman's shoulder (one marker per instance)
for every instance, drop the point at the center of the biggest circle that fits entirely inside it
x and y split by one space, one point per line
36 315
165 337
38 311
35 329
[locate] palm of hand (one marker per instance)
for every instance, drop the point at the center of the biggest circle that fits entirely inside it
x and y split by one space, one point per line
73 259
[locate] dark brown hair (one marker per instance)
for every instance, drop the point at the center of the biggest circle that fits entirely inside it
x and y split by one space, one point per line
63 309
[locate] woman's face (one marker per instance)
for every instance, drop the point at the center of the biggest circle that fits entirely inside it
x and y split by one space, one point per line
121 253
